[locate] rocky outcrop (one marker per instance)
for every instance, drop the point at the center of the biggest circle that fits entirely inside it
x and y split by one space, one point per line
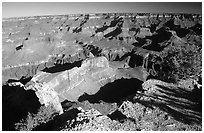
70 84
90 120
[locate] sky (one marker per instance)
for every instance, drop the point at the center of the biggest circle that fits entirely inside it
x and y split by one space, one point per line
20 9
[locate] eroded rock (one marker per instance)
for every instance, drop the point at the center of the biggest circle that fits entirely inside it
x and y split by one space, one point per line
31 44
70 84
75 54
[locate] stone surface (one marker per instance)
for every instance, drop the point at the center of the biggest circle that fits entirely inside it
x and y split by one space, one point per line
96 121
71 84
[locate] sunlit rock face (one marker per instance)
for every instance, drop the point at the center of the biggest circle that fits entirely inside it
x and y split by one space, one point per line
69 85
37 54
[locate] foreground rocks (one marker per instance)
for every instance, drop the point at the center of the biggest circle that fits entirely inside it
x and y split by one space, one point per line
162 107
151 111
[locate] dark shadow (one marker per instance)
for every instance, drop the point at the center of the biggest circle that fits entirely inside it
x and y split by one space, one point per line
19 47
83 22
112 24
115 21
114 92
58 122
101 29
117 115
197 28
96 51
153 27
12 80
140 42
161 36
62 67
16 103
77 30
188 16
136 30
181 32
184 105
120 117
135 60
200 80
68 105
113 33
25 80
171 24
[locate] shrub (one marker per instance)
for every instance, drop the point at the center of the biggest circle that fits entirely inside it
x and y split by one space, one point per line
43 115
181 62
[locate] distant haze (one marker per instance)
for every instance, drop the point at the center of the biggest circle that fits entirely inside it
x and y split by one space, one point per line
19 9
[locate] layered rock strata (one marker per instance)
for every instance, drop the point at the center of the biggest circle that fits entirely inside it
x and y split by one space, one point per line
69 85
32 44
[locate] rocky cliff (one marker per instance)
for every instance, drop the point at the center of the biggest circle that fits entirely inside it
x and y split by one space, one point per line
35 43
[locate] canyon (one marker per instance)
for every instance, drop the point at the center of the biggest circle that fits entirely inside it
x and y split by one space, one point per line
91 62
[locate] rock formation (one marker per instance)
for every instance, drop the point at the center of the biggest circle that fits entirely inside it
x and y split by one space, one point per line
70 84
35 43
62 58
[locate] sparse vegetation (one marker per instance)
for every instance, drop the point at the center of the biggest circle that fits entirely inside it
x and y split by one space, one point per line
181 62
43 115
